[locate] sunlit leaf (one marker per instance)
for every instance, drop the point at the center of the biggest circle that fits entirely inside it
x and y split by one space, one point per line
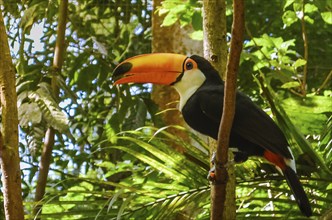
154 163
299 62
196 35
29 113
310 8
110 133
327 16
309 19
290 85
289 17
288 3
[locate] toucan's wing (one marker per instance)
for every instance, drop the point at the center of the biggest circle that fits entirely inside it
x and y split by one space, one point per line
250 122
255 125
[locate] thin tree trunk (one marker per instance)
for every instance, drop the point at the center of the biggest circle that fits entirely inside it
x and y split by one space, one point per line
9 156
228 115
306 52
46 156
215 31
172 39
215 50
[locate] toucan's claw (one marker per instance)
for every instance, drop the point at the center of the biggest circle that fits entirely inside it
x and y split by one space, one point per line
217 165
213 158
212 176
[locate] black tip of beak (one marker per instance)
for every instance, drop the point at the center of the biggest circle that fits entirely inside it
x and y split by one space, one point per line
121 69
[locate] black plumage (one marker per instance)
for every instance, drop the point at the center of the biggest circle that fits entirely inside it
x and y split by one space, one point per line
253 132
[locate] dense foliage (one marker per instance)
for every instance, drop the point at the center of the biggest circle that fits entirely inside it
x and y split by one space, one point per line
113 157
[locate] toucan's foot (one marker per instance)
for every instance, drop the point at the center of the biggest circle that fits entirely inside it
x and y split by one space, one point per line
212 176
216 165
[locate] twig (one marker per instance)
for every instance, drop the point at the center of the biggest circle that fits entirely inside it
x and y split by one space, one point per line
50 133
306 54
218 200
329 76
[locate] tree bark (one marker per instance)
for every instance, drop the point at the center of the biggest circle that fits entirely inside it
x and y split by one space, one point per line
9 156
172 39
228 114
215 50
46 156
215 31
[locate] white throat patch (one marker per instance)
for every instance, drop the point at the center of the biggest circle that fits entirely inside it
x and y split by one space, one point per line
187 86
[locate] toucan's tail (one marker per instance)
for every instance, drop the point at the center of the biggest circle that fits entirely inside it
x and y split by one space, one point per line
298 191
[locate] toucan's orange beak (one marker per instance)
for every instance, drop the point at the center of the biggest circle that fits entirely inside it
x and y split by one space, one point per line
157 68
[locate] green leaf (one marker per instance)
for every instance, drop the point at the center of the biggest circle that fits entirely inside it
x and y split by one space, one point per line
50 109
297 6
123 207
114 198
327 16
111 134
161 11
74 194
154 163
28 18
308 114
315 104
288 3
29 113
85 77
289 17
299 62
197 21
286 44
290 85
260 65
169 19
307 122
308 19
196 35
310 8
32 14
87 186
53 208
106 164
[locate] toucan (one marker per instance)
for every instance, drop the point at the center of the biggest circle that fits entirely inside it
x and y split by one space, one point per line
201 91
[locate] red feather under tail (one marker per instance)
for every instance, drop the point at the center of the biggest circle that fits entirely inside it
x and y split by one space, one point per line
292 180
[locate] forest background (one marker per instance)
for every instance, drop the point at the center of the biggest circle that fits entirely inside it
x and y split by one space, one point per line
91 150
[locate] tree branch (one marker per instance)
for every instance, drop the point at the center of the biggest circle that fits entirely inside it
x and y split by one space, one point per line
46 156
306 53
327 80
218 201
9 155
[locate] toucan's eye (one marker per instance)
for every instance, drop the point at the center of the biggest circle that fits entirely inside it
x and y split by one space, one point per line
189 65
